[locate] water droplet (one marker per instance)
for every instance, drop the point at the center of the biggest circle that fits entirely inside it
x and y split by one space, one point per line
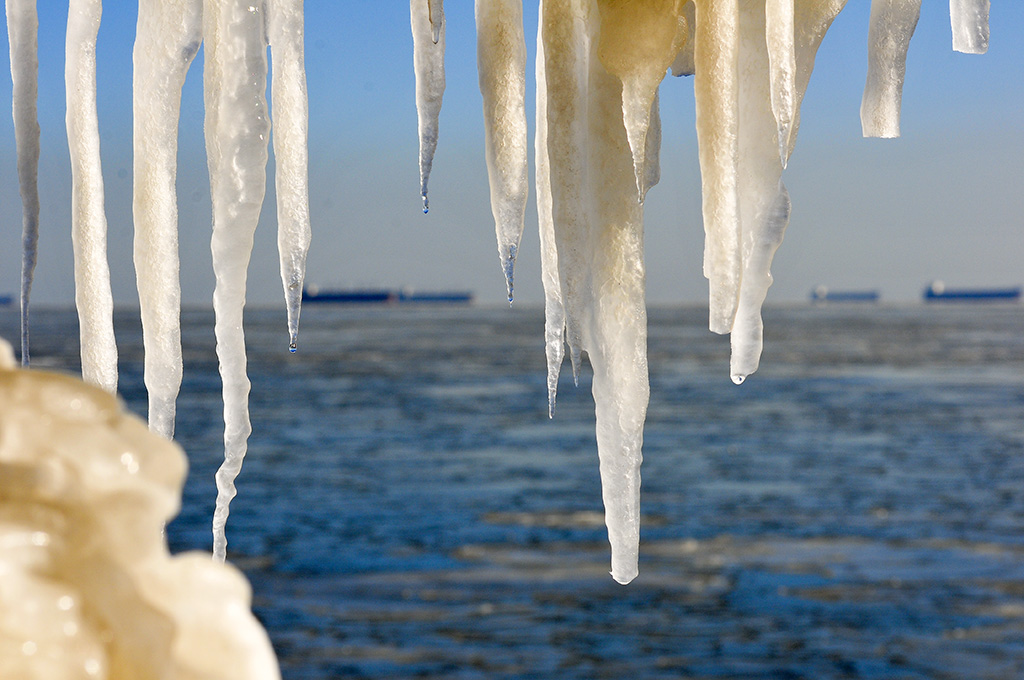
293 348
426 206
738 379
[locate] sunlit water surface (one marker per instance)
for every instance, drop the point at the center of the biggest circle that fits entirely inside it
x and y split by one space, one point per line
407 509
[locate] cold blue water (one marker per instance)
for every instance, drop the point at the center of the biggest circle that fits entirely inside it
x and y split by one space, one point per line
408 510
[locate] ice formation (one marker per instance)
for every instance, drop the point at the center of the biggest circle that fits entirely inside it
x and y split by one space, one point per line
87 587
22 29
88 218
427 18
599 66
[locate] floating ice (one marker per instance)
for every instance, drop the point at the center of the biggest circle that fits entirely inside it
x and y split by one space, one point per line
88 218
22 29
427 18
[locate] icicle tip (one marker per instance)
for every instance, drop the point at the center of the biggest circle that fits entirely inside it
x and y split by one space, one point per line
508 266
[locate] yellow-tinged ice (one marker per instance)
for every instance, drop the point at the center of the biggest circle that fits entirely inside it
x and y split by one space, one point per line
501 59
88 589
639 40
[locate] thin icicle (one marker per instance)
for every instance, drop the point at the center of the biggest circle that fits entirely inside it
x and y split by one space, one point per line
780 35
554 308
716 86
237 128
652 143
167 39
566 45
22 30
291 123
969 20
637 44
764 201
427 18
88 218
501 59
892 25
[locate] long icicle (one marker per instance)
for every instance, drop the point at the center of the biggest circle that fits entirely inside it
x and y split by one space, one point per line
291 154
969 21
427 18
716 89
22 30
892 25
237 130
501 58
168 35
88 217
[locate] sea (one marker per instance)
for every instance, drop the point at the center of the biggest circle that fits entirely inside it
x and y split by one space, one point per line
407 509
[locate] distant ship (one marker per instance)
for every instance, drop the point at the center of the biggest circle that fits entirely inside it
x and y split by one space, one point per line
937 292
823 294
316 295
6 300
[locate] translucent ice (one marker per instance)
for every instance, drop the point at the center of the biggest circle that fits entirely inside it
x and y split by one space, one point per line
88 217
892 25
22 29
427 18
969 20
237 130
501 58
291 155
167 39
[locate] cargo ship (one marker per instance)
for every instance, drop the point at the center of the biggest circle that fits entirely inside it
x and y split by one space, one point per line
937 292
379 296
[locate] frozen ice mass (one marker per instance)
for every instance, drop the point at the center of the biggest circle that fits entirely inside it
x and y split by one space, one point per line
599 66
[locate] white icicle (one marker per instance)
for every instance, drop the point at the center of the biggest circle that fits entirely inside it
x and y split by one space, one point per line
427 17
969 20
892 25
764 201
591 232
637 44
88 218
554 309
22 29
291 123
501 59
237 128
167 39
716 89
779 36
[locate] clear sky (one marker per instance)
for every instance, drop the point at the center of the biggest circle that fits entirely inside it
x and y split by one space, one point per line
944 201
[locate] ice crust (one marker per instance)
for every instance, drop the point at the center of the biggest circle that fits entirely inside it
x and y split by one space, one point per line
87 586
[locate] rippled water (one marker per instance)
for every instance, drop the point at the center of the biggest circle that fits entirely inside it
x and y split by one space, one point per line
854 510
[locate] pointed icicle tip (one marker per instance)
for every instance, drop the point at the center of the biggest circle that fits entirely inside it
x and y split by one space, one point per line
426 205
508 265
551 405
738 379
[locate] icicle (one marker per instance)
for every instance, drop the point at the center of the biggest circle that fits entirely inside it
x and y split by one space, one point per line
501 58
291 119
969 20
716 86
764 201
780 37
892 25
428 61
554 307
637 44
167 39
22 29
237 128
652 146
593 237
88 219
683 64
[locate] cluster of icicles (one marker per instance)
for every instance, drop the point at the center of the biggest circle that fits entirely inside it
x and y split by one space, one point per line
599 66
169 33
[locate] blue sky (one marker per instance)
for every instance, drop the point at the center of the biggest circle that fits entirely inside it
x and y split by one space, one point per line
944 201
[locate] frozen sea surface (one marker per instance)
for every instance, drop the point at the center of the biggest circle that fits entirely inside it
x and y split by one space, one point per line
406 509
